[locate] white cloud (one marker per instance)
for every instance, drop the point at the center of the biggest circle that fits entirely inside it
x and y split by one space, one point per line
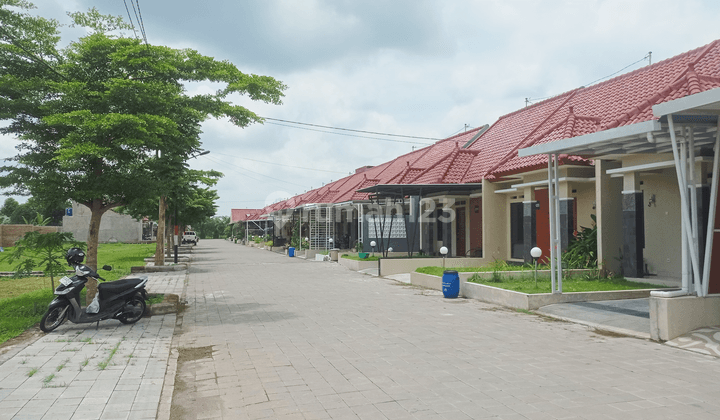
422 68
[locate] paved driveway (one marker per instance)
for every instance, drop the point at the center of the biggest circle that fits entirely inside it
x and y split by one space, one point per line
268 336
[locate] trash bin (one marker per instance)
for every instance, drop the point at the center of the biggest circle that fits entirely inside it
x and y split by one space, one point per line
291 251
450 284
334 254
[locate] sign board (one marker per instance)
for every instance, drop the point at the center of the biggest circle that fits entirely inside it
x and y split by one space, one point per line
68 211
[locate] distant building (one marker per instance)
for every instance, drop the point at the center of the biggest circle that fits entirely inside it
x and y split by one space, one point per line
114 227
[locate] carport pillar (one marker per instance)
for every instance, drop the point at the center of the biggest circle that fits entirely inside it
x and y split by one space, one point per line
529 224
427 222
447 219
567 220
633 226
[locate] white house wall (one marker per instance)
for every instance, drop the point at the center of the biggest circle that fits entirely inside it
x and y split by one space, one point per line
114 227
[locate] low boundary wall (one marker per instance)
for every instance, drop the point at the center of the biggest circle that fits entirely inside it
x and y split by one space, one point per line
519 300
672 317
356 265
9 234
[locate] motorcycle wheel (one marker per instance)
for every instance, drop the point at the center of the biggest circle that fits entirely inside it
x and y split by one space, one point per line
53 319
133 315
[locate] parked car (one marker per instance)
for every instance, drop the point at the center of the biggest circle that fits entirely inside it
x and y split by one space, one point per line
190 237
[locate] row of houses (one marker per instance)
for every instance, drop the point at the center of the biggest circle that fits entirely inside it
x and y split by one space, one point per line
638 153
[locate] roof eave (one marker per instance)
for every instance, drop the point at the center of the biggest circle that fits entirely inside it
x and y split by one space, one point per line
582 145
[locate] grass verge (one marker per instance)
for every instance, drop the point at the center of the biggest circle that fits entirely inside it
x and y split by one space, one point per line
23 301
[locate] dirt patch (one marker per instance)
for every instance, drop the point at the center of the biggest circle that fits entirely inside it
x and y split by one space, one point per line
189 354
16 344
185 403
606 333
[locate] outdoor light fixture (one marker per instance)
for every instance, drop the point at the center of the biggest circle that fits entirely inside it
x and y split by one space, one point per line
390 249
536 253
372 244
444 251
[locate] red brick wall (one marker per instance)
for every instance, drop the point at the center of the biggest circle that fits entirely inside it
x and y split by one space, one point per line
11 233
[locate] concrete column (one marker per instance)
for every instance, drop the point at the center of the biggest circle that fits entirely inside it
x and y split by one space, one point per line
353 218
495 223
447 231
413 227
567 221
529 229
428 237
633 238
608 212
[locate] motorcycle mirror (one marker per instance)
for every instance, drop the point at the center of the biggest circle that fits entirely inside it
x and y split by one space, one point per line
107 268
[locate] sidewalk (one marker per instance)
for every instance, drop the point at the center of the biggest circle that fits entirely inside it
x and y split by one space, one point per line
79 372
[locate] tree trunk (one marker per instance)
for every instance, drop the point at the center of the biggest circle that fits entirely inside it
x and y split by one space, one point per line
159 239
169 238
96 212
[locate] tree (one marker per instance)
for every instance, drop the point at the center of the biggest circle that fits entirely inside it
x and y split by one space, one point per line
213 227
9 207
104 119
44 250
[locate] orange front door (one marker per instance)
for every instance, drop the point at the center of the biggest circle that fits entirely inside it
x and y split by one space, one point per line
476 230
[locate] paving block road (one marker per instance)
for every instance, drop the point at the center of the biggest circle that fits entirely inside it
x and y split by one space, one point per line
265 336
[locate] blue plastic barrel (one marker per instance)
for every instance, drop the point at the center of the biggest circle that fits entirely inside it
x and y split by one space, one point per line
450 284
291 251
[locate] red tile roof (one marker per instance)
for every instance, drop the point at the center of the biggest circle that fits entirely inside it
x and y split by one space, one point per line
623 100
241 215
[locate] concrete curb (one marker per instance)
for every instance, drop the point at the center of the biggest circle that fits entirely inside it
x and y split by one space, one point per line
168 389
159 269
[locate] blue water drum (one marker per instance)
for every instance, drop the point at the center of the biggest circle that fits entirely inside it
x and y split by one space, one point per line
291 251
450 284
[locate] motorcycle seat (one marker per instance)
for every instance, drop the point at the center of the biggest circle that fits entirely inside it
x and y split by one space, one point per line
116 287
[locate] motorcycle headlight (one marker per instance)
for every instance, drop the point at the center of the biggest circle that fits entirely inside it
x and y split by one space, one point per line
81 270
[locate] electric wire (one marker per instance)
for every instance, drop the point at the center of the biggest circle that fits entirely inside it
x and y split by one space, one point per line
284 165
533 100
216 160
137 18
141 22
130 18
350 129
350 135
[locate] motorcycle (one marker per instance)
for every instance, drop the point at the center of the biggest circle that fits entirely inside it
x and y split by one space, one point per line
123 300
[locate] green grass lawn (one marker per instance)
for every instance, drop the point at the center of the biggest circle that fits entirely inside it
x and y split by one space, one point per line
577 283
23 301
525 283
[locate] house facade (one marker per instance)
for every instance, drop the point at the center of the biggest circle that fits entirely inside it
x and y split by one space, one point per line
635 153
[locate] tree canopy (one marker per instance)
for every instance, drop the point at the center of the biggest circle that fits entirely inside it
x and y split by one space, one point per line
107 120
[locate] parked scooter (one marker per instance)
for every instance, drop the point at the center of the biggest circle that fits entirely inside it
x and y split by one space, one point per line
123 300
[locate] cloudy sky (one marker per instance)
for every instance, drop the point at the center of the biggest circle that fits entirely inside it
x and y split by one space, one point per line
424 68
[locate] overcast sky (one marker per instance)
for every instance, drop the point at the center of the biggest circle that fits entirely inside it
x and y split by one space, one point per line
411 67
